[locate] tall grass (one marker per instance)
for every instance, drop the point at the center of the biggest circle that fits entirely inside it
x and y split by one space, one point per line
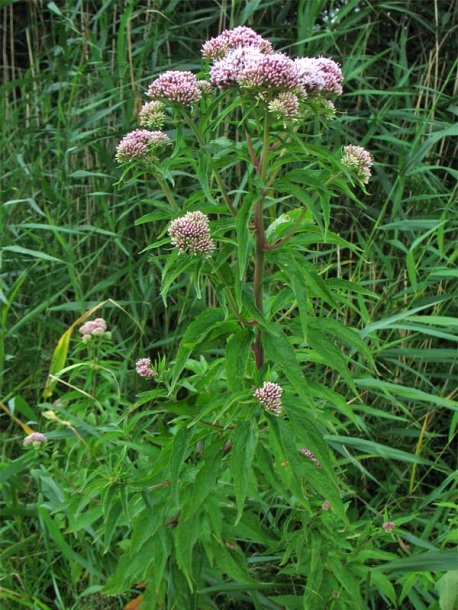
73 77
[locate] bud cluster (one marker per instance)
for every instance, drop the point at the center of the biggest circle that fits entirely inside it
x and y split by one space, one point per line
308 454
141 144
270 397
359 160
191 233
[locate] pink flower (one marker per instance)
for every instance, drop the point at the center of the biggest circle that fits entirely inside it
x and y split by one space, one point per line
144 368
226 71
141 144
176 86
36 439
388 526
310 456
270 397
191 232
326 505
332 75
93 328
269 71
309 74
359 160
241 36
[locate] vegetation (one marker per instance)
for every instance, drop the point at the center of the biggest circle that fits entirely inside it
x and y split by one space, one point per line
182 483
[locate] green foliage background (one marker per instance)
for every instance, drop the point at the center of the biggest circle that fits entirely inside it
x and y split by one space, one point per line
74 74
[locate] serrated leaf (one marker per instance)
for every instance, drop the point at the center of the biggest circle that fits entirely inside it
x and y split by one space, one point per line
281 352
244 443
195 334
237 354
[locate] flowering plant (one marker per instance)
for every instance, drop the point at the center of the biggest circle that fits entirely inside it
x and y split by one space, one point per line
246 227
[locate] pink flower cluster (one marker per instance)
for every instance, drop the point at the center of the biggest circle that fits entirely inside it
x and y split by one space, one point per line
308 454
141 144
35 439
270 397
359 160
94 328
243 58
388 526
179 86
144 368
191 233
285 105
241 36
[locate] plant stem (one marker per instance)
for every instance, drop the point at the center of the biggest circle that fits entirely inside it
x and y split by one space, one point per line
167 192
219 180
260 243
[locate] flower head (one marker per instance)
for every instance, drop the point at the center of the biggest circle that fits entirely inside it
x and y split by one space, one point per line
144 368
226 71
285 106
141 144
326 505
36 439
309 74
359 160
270 397
319 75
241 36
332 75
94 328
192 232
275 71
152 115
310 456
178 86
388 526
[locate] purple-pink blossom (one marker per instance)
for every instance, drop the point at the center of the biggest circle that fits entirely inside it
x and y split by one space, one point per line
141 144
270 397
269 71
93 328
144 368
191 233
35 439
359 160
179 86
388 526
319 75
241 36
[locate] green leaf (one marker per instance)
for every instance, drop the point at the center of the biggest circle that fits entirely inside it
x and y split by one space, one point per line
205 479
447 587
376 449
194 335
432 561
279 350
179 450
238 350
186 536
244 443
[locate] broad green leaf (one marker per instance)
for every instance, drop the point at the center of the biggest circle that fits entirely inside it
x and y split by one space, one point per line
186 536
238 350
205 479
194 335
279 350
179 451
447 587
244 443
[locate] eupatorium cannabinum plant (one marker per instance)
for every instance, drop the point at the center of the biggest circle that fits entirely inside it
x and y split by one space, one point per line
230 496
